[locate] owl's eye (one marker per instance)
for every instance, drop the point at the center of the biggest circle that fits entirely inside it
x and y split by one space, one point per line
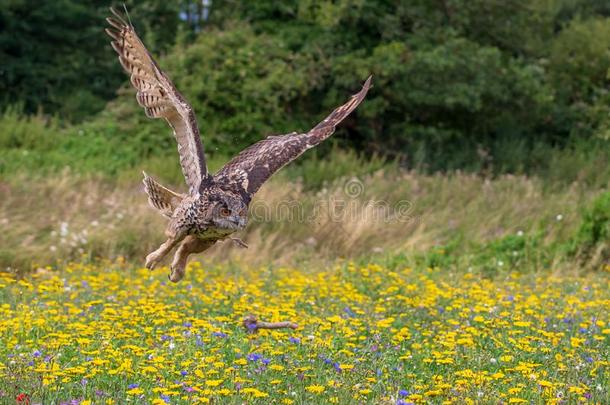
225 212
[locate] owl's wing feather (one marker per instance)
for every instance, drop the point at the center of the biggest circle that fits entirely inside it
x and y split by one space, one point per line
160 99
254 165
161 198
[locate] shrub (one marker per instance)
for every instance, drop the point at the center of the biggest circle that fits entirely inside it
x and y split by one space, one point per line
592 242
580 57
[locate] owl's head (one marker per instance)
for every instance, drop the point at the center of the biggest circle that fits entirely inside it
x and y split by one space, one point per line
229 212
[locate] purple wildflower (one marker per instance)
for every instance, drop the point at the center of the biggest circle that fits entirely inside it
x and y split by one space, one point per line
198 340
294 340
254 357
403 393
132 386
349 312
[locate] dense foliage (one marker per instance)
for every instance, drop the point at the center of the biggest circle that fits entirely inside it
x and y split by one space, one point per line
55 56
483 84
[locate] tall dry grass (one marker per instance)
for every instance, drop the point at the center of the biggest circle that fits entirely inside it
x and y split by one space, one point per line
66 217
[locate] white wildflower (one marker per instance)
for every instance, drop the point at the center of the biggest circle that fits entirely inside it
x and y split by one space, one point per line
63 229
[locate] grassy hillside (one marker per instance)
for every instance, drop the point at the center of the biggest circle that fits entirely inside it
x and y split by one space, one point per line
458 220
74 191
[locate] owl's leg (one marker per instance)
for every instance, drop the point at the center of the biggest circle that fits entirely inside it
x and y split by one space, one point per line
191 245
155 257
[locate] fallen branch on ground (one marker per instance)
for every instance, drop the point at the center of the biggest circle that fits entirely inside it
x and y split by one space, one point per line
252 324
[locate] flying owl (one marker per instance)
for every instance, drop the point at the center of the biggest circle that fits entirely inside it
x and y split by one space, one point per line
216 205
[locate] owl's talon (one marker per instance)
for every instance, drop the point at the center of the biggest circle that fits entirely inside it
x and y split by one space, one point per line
240 242
151 261
175 275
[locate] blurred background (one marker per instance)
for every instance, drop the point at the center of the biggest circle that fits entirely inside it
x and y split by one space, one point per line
490 117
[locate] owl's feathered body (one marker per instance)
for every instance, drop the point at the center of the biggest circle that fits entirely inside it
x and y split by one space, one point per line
216 205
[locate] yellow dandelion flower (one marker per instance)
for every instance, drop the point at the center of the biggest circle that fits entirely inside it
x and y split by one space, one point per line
316 389
576 390
213 383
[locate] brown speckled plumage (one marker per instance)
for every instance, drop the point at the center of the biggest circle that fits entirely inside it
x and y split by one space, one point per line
216 205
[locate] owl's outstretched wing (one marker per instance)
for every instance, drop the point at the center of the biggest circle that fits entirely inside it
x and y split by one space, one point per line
254 165
160 99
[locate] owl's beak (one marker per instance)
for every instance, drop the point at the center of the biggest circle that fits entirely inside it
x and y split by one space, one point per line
233 222
239 221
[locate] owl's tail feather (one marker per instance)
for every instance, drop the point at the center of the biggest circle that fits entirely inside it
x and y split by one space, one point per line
161 198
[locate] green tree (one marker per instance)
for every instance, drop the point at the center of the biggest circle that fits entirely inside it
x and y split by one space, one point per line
55 56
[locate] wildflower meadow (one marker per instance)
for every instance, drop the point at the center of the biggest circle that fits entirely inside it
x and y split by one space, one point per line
109 333
448 244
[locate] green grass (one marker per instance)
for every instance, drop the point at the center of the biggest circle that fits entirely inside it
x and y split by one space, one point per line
121 144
